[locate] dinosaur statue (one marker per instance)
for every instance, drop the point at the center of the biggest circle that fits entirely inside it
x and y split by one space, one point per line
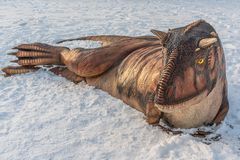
178 76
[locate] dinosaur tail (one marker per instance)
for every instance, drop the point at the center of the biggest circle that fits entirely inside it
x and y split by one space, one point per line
104 39
107 39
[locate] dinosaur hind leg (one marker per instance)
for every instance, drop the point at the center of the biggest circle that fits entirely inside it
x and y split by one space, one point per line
61 71
30 57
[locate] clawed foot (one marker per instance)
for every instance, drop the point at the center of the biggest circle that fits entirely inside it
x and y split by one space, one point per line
31 55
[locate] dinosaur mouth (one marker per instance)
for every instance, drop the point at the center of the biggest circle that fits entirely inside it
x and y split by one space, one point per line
192 100
168 108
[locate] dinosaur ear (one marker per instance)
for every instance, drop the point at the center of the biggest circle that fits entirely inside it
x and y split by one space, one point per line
160 34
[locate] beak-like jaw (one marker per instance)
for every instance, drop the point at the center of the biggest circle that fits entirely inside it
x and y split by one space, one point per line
167 78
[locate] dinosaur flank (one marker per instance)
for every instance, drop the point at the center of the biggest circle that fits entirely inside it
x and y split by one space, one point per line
178 76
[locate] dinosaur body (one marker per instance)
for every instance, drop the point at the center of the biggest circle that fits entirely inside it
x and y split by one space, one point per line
177 76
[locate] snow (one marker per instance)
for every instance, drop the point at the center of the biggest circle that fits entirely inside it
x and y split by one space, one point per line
43 116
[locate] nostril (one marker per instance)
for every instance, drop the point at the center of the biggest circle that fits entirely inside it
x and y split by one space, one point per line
213 34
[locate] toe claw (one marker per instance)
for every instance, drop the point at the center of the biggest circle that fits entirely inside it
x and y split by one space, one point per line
32 54
12 53
4 69
35 61
34 47
18 70
14 61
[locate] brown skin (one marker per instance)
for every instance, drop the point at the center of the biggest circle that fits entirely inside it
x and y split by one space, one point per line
153 74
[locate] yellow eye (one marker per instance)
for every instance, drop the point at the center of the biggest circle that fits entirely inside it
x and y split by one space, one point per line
200 61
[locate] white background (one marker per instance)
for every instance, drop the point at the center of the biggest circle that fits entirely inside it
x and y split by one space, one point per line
43 116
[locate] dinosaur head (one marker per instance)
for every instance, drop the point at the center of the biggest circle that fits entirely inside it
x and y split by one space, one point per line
193 62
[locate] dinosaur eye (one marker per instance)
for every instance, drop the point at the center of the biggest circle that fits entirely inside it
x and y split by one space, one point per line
200 61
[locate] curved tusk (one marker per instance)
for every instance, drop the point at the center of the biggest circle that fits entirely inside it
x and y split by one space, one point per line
206 42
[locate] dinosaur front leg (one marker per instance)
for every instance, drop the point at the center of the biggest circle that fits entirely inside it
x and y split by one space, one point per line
66 73
153 114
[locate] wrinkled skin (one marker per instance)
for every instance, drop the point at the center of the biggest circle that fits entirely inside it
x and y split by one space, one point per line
178 76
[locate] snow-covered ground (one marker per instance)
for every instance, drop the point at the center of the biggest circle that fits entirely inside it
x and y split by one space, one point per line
43 116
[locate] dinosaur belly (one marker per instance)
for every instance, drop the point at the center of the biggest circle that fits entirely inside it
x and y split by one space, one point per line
134 80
